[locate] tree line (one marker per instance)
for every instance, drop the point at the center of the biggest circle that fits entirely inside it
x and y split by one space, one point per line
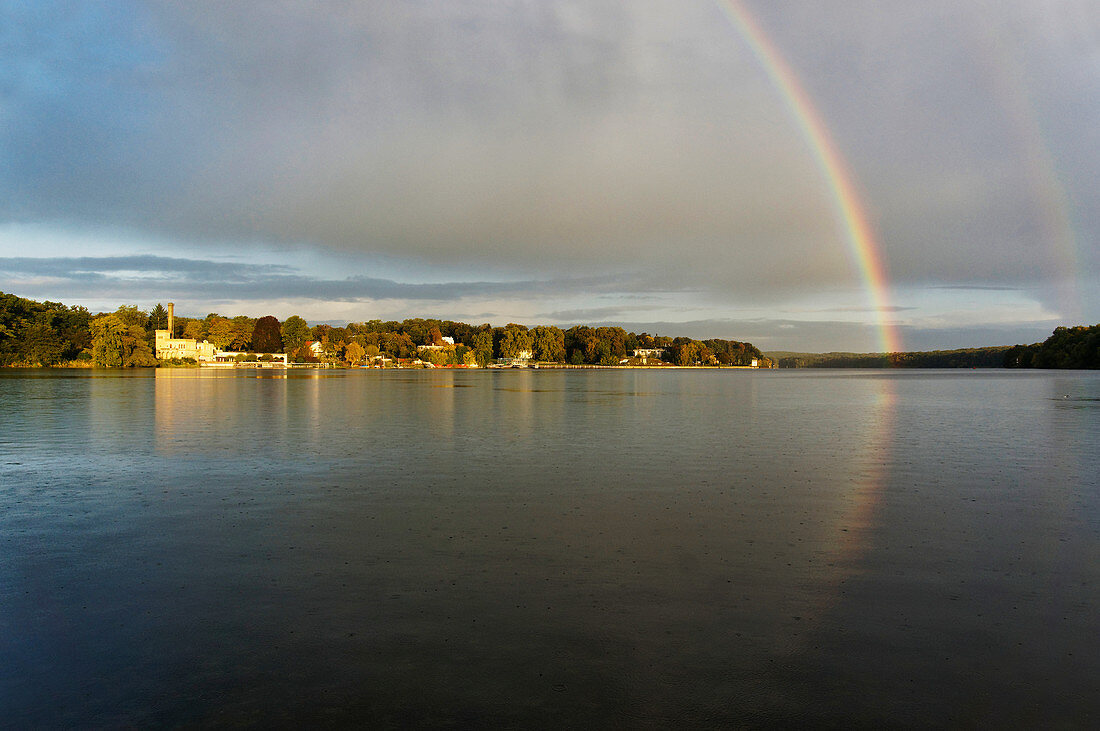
991 357
1067 347
50 333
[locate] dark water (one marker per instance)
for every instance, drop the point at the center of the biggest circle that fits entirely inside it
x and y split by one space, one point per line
621 548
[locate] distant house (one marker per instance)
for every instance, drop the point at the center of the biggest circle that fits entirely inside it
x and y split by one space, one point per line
447 344
646 353
521 360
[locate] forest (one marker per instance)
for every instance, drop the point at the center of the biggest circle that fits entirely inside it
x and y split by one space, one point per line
53 334
1067 347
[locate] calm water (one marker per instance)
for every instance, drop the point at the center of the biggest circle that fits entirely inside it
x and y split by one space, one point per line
553 548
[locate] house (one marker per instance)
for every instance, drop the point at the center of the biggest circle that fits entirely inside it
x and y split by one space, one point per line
646 353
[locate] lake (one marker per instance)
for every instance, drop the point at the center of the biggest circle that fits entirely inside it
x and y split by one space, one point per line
626 548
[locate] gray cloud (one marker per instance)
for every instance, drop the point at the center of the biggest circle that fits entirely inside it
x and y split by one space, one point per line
598 146
168 268
151 277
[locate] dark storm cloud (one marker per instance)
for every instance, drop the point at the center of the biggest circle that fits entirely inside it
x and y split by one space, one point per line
637 142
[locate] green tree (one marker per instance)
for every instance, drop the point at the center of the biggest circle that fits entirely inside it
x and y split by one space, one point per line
295 332
242 333
267 335
548 344
41 333
131 315
515 340
332 350
107 341
482 344
118 345
158 318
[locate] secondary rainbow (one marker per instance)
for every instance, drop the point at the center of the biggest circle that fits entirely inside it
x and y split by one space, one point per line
849 210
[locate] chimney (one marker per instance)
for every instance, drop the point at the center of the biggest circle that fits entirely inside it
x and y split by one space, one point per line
171 320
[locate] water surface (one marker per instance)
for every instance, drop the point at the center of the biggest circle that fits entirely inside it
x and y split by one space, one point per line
518 548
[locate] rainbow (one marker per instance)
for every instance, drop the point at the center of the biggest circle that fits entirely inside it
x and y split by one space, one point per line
849 210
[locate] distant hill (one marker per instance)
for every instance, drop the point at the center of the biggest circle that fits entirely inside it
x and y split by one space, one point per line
1067 347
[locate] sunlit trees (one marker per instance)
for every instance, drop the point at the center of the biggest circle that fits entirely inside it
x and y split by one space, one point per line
354 353
332 350
481 342
242 333
398 345
194 330
220 332
34 333
295 332
118 345
40 333
514 341
548 344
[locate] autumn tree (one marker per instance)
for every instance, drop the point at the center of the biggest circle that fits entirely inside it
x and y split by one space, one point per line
220 332
267 335
399 345
194 330
354 353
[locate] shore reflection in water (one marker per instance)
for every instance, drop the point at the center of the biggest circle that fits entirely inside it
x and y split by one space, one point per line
639 548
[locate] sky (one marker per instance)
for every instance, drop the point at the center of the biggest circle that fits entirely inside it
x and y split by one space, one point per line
652 164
